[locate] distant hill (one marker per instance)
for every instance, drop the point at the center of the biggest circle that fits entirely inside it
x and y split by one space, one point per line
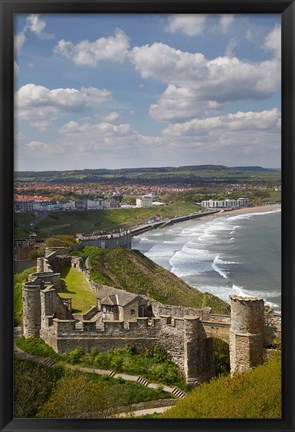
195 174
132 271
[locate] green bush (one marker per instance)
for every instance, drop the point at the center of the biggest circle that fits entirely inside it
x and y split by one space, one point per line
75 356
154 363
37 253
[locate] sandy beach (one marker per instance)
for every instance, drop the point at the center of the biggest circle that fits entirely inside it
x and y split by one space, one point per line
244 210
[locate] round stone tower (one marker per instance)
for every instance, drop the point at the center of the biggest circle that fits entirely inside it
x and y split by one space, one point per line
31 309
246 333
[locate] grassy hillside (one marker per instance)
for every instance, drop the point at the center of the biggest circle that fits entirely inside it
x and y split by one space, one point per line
73 222
160 174
42 391
132 271
255 394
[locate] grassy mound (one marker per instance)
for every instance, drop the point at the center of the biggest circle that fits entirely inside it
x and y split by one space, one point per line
132 271
255 394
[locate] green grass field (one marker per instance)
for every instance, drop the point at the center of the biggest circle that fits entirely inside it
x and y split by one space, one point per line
76 286
97 220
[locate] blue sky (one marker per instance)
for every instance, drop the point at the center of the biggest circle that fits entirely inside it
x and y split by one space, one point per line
119 91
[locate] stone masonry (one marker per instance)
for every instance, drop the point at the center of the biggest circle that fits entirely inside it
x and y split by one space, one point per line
186 333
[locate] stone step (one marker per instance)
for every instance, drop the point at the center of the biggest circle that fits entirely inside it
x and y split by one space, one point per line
178 393
112 373
142 381
49 362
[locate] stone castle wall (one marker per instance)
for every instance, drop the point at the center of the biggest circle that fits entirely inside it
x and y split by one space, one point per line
186 333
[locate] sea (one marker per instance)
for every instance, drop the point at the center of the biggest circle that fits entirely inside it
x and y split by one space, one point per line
238 254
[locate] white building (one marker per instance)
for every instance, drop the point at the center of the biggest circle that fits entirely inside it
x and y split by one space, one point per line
243 202
99 204
145 202
68 205
228 203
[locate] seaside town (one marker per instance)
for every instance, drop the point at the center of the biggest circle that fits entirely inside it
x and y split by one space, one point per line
36 197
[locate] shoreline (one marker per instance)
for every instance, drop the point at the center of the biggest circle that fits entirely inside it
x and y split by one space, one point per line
225 215
244 210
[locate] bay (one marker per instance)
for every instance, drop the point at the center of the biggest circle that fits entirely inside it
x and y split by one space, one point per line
238 254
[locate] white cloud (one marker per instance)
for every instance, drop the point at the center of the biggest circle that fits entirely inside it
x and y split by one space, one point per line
36 146
219 79
111 117
36 25
16 69
193 25
168 64
19 40
201 81
103 140
229 123
273 41
86 53
40 105
249 35
250 137
181 103
229 51
226 21
190 25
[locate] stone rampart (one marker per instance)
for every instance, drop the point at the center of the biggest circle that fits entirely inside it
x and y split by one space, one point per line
181 311
108 241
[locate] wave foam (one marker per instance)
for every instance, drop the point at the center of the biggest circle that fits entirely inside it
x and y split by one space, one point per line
248 215
218 269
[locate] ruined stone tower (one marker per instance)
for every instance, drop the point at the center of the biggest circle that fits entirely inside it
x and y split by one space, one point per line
31 309
246 333
40 265
198 352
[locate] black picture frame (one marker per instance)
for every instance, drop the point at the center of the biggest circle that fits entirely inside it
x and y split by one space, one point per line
287 10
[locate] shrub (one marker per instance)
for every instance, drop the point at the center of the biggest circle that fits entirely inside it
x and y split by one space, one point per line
37 253
75 356
36 347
